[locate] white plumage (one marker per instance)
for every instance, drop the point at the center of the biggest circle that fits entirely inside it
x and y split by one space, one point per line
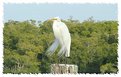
62 37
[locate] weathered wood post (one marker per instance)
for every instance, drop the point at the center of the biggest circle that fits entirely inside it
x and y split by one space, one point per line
64 68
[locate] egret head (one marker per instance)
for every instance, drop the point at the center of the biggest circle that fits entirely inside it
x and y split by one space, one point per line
55 18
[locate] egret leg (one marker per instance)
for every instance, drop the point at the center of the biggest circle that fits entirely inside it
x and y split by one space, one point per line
58 60
65 65
65 60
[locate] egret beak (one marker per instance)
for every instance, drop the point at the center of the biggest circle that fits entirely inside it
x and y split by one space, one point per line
52 19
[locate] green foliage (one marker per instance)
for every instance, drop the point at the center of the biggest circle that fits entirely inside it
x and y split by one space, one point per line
93 46
108 68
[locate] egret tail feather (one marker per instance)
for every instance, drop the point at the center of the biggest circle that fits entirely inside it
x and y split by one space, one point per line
61 52
52 48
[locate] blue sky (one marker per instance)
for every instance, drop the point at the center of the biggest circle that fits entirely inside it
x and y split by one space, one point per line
42 12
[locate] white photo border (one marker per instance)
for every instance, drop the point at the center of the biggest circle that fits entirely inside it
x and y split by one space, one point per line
58 1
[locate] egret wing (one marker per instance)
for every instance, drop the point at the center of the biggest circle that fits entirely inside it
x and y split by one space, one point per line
66 38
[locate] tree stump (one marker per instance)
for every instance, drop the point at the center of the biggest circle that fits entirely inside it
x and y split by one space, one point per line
64 68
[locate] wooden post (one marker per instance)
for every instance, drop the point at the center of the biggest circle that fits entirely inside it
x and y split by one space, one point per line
64 68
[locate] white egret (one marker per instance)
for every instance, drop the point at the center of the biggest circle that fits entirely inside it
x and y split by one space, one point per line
62 38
